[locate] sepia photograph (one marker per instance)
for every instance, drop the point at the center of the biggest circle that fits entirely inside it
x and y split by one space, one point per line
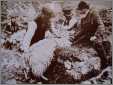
56 42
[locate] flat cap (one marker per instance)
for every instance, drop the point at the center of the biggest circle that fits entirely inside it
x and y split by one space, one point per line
67 8
83 5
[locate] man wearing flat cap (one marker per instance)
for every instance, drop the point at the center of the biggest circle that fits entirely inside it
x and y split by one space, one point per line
67 11
69 23
91 29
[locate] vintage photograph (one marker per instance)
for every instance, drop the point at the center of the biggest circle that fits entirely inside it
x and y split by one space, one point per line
56 42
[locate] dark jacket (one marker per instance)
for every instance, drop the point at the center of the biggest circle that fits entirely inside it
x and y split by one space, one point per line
91 25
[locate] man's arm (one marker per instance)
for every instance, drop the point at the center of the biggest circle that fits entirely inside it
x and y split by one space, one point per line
100 26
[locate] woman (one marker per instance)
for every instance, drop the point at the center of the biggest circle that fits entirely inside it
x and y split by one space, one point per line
39 49
48 35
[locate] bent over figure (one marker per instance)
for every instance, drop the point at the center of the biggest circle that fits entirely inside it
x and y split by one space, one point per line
91 29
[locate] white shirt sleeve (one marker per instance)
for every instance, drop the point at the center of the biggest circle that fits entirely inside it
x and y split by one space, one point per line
72 22
28 36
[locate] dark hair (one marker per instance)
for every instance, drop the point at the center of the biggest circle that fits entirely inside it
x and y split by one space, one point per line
83 5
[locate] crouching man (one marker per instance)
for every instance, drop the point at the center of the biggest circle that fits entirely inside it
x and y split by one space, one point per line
91 30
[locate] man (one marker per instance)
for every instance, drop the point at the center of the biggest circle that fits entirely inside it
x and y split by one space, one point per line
91 29
70 20
68 23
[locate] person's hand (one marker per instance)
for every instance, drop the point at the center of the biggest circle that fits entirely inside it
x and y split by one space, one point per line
93 38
